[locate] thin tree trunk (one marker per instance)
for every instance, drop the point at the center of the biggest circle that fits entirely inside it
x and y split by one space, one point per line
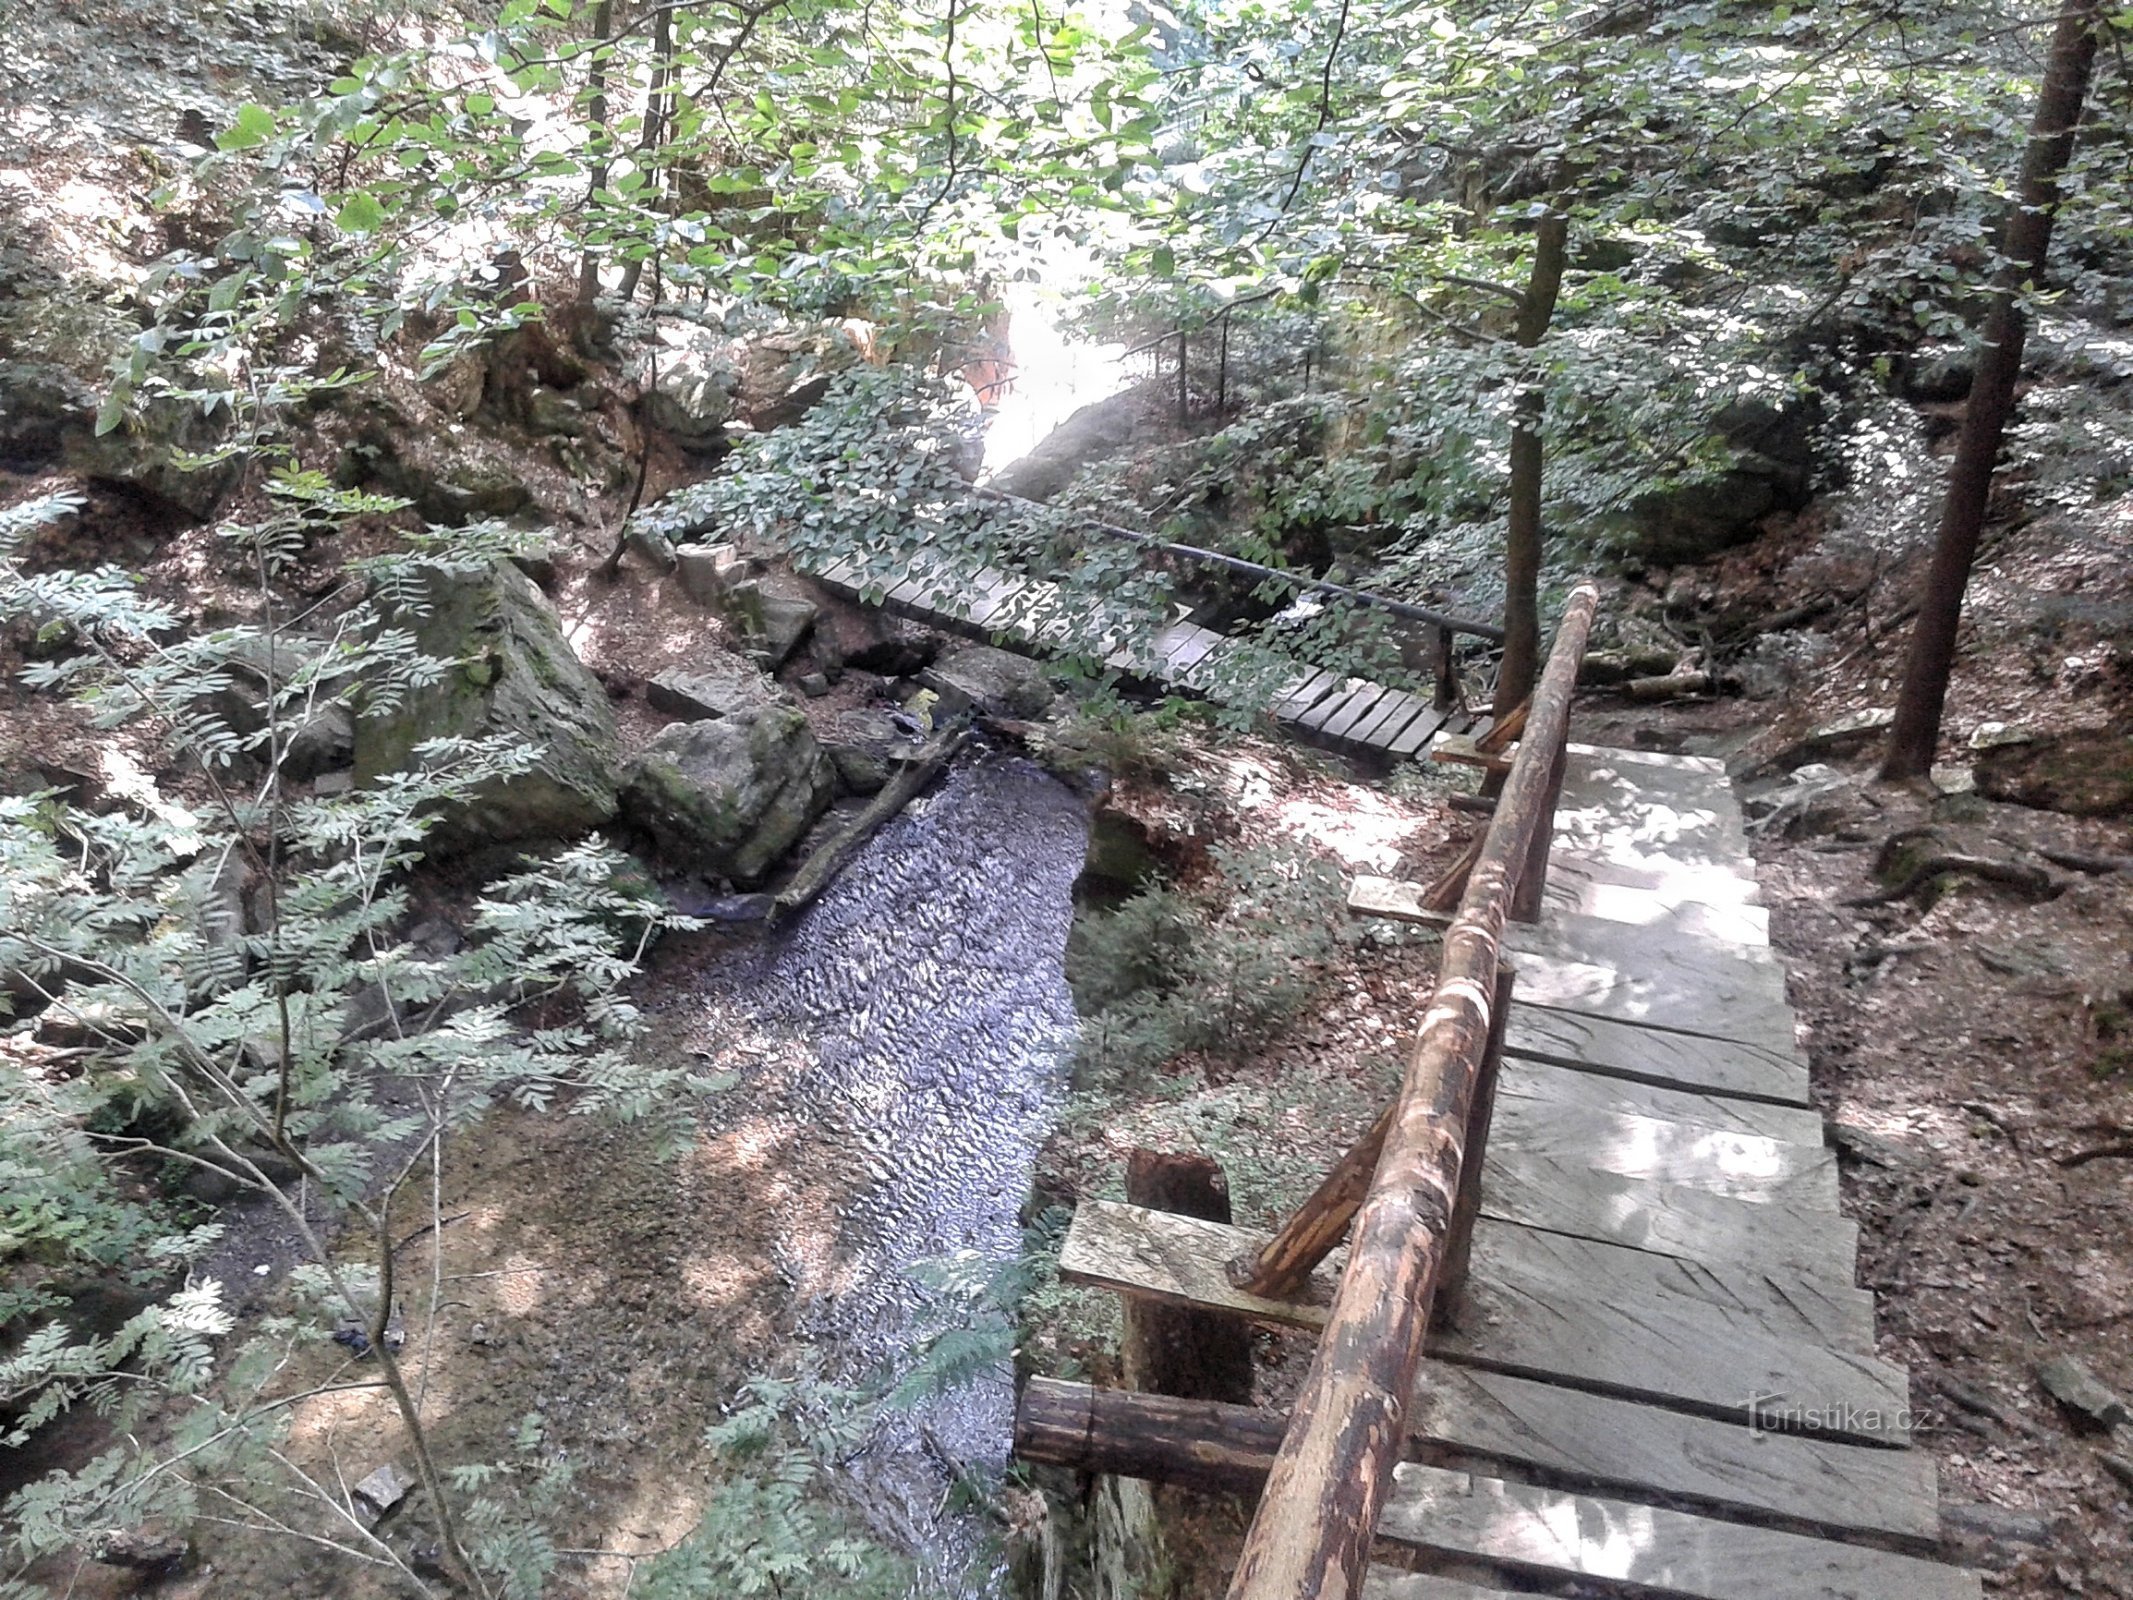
1522 534
656 102
2025 237
596 114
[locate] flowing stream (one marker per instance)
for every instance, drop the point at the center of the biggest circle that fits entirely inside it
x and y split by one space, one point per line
928 985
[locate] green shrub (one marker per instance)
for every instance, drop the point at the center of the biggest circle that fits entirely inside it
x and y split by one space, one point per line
1217 968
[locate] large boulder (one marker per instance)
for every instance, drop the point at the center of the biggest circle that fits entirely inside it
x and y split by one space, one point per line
997 683
721 686
730 795
2086 773
689 376
512 673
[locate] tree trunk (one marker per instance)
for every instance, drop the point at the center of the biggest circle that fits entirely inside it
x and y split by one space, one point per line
2025 236
1198 1355
1522 534
596 115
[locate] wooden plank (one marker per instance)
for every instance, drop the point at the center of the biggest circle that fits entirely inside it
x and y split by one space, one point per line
1306 695
1739 923
1810 1308
1689 1354
1526 1079
1570 936
1739 1006
1674 1554
1463 749
841 575
1654 1055
1418 733
1674 931
1668 1218
1364 707
1183 646
918 592
1686 1354
1747 1166
1337 700
1657 761
1571 876
1617 1445
1397 710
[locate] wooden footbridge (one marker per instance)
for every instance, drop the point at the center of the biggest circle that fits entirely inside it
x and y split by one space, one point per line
1354 715
1595 1331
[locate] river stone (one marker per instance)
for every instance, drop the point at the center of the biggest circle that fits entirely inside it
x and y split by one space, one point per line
724 686
513 673
998 683
2087 772
868 640
730 795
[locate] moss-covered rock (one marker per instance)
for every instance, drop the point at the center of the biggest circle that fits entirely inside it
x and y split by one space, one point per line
729 796
513 673
2086 773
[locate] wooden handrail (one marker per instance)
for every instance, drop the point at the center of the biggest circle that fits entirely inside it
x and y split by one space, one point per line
1312 1532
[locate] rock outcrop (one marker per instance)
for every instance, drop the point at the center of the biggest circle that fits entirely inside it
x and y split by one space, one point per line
512 673
729 795
2087 772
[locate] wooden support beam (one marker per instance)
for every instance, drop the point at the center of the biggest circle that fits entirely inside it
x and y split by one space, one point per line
1312 1532
1459 1415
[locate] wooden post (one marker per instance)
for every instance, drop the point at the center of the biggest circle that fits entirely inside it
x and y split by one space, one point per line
1447 675
1312 1533
1184 394
1533 881
1459 1237
1175 1350
1522 530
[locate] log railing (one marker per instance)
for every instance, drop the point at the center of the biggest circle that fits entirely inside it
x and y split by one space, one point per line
1312 1532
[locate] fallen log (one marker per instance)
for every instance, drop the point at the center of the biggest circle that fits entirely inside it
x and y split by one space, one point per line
819 869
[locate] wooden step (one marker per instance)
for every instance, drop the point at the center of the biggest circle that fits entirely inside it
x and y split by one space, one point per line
1526 1079
1788 1241
1652 1553
1670 1350
1747 1166
1812 1309
1745 1004
1688 932
1572 873
1658 1056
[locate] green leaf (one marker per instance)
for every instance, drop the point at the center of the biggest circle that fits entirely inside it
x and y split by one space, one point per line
359 213
254 127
